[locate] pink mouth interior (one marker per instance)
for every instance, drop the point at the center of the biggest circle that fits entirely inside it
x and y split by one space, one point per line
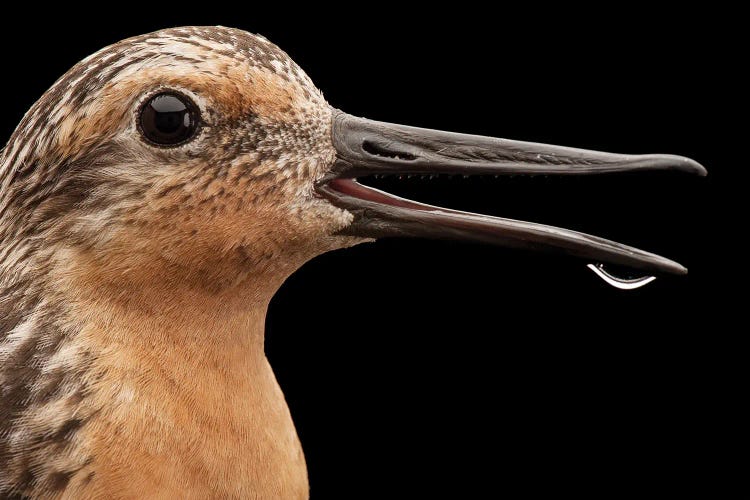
353 188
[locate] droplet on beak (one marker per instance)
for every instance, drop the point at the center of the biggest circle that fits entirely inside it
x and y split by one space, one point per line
617 282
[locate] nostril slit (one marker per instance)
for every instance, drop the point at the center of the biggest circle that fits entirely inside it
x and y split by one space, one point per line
384 152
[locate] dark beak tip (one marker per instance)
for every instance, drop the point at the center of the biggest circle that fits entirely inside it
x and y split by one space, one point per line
667 266
680 163
697 168
677 269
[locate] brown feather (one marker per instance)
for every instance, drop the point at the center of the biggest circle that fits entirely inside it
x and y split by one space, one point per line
134 279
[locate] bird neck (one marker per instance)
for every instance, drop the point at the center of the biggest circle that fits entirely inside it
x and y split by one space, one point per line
198 326
173 323
184 337
161 384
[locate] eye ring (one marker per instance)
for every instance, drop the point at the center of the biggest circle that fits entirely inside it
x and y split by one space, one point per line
168 119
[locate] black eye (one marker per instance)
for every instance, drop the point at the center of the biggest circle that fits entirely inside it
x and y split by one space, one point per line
169 119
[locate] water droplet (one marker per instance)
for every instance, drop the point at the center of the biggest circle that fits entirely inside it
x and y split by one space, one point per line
621 283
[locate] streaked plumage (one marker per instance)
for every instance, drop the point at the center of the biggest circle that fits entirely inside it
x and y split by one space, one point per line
115 255
135 278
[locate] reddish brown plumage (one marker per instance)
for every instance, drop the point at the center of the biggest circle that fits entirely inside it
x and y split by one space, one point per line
134 279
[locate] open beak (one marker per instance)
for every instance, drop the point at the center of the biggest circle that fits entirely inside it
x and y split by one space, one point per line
366 147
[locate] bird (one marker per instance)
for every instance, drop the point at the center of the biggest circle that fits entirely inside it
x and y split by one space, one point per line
152 202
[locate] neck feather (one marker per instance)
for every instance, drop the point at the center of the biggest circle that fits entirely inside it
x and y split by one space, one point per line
131 371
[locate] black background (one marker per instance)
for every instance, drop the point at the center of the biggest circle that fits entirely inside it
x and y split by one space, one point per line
418 368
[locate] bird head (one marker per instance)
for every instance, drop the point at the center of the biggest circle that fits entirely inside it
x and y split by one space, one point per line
188 154
204 156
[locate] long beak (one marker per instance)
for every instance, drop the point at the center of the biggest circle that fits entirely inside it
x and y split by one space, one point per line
366 147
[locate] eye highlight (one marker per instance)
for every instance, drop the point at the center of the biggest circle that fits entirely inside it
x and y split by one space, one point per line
168 119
